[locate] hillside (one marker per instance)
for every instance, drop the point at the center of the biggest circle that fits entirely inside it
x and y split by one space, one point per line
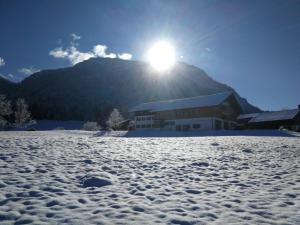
6 86
90 89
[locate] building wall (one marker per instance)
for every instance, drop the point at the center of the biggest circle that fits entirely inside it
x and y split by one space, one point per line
226 111
192 124
208 118
145 121
274 124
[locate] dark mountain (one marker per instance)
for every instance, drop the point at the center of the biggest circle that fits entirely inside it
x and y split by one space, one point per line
6 86
90 89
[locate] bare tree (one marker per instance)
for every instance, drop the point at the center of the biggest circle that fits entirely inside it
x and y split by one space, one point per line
91 126
114 120
5 111
22 115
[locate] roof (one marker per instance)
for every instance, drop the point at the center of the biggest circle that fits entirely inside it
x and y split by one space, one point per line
184 103
247 116
273 116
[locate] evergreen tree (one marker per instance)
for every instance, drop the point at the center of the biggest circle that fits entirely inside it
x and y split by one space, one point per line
114 120
5 111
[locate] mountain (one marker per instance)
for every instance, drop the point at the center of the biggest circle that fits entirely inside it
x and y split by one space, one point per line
90 89
6 86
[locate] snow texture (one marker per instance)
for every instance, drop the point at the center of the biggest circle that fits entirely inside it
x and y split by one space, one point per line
79 177
54 124
184 103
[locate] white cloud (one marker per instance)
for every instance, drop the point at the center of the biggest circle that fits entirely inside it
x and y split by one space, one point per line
75 37
99 50
2 62
125 56
58 53
28 71
74 56
10 77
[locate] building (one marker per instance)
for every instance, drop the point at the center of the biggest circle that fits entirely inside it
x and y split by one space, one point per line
243 120
289 119
209 112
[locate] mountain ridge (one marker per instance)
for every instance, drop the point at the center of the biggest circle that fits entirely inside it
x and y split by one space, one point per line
90 89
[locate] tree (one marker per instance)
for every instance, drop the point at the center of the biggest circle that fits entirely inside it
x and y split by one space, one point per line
91 126
22 115
114 120
5 111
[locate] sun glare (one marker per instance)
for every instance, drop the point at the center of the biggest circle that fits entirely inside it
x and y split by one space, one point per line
161 56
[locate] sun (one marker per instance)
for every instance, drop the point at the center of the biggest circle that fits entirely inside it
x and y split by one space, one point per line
161 56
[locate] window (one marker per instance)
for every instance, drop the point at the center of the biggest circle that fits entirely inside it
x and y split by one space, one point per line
137 126
148 126
232 125
226 125
186 127
169 123
143 126
218 124
196 126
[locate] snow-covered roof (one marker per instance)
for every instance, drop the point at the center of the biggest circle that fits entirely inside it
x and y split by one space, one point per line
247 116
184 103
273 116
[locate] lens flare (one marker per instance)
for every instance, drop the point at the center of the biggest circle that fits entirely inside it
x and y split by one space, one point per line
161 56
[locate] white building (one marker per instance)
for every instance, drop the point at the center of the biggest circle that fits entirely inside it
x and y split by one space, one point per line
209 112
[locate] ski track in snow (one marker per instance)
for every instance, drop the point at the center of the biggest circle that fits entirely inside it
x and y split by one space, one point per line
183 180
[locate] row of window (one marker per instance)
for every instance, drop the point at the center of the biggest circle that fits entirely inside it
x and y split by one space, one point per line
187 127
169 123
144 126
226 125
184 113
143 118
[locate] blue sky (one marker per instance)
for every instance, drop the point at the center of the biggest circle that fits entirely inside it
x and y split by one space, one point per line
252 46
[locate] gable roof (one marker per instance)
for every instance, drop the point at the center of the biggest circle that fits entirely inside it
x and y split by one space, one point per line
184 103
247 116
273 116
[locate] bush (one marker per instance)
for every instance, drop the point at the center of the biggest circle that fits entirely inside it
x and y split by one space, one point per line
91 126
59 128
31 129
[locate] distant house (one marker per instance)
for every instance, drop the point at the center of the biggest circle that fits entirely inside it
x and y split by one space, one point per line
209 112
243 119
271 120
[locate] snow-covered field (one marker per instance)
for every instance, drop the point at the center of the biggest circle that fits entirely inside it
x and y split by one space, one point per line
73 177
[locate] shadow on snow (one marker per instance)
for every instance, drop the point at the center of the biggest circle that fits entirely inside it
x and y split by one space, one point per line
256 133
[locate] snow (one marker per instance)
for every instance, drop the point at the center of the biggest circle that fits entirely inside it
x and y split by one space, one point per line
54 124
202 133
221 179
184 103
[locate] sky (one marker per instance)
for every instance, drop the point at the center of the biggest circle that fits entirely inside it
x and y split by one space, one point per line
252 46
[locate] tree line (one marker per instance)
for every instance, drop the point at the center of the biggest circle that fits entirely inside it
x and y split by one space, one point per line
113 123
17 115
